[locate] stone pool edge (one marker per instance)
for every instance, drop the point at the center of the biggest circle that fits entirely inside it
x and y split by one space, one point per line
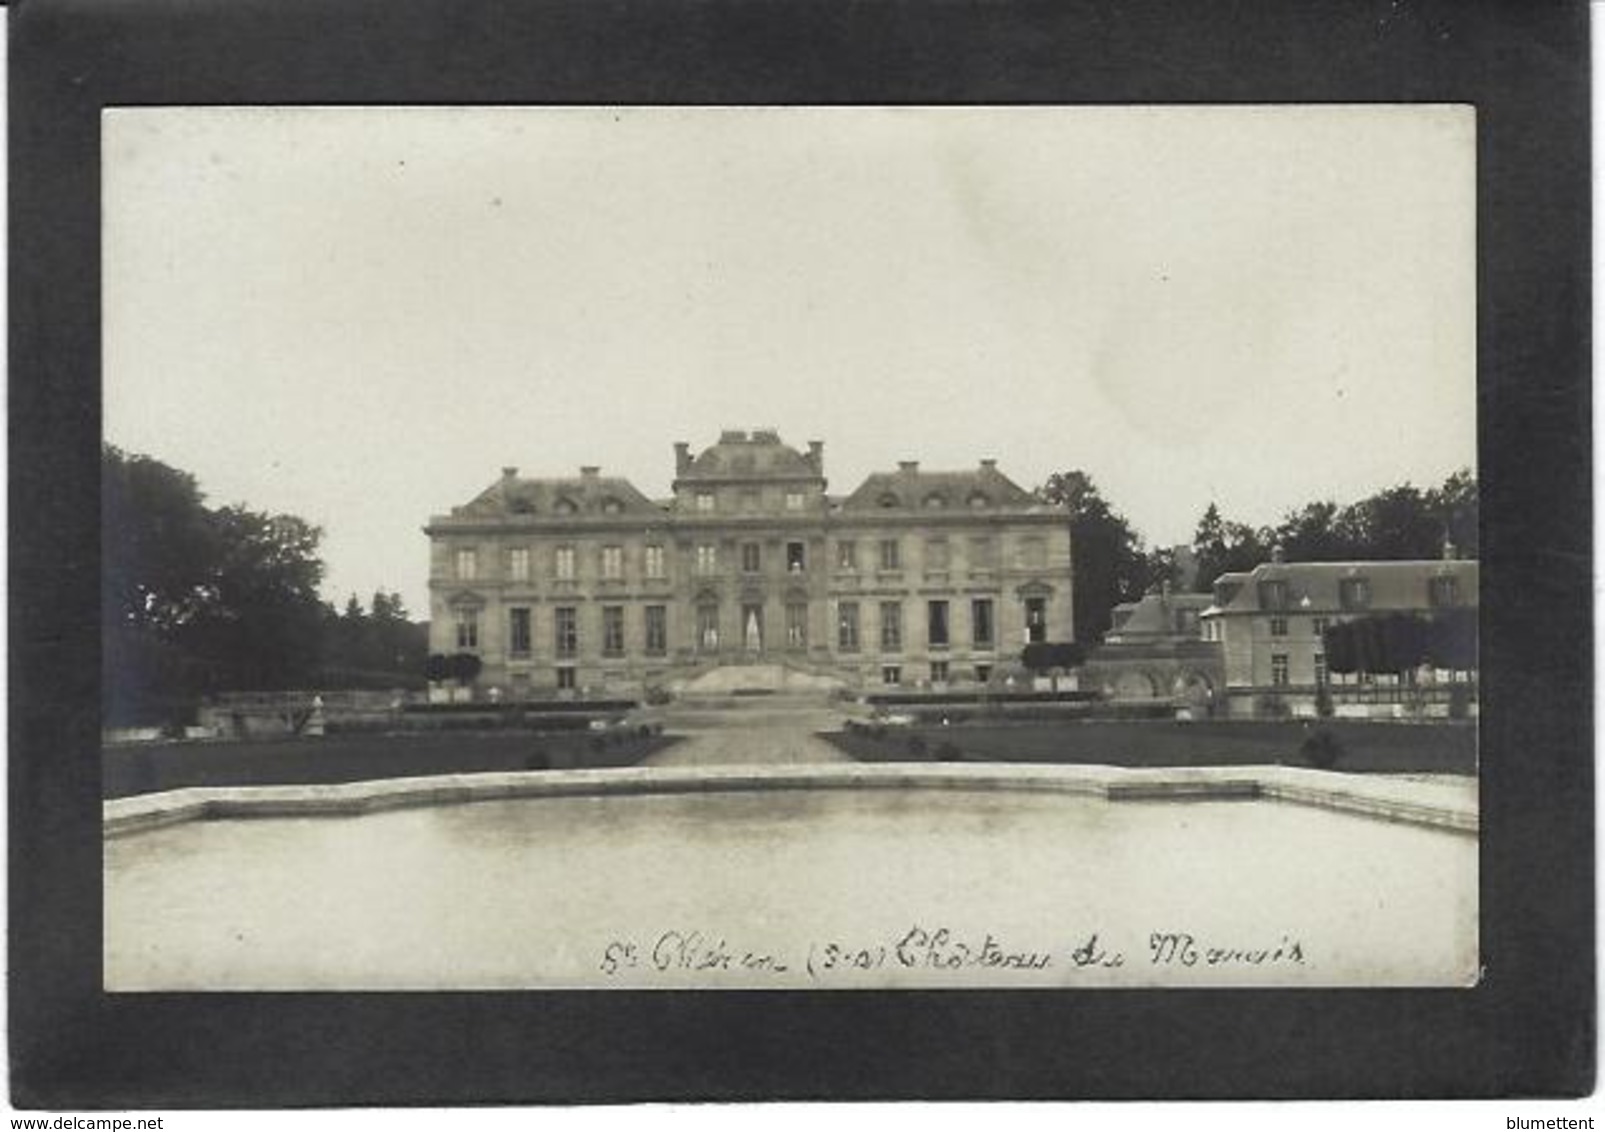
1412 801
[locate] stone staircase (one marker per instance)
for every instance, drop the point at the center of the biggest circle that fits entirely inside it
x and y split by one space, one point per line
758 681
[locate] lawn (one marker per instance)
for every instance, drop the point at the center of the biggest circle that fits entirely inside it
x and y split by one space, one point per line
1364 747
354 758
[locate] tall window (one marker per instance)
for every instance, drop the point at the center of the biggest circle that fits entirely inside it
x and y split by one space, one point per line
657 630
891 626
847 555
654 561
565 679
847 626
1279 669
797 624
936 624
612 630
518 632
891 674
796 558
938 672
1321 676
982 633
936 554
750 560
1036 620
707 626
567 630
704 501
1318 626
467 564
564 563
891 554
612 562
518 564
707 558
1278 626
468 628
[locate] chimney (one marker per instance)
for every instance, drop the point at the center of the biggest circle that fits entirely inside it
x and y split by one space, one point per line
989 465
682 457
590 471
509 472
816 455
1278 555
908 467
1450 551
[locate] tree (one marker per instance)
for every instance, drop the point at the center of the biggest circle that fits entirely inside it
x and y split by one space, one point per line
1107 556
1042 655
196 599
1223 547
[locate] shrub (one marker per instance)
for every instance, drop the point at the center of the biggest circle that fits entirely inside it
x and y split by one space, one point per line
1459 701
916 744
537 759
1321 749
658 695
598 744
1268 705
948 752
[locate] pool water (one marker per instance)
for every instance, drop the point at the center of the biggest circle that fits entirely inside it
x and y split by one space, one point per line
841 888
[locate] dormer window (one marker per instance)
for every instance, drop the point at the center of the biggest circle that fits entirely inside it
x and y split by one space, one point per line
794 501
979 499
888 500
522 506
935 501
611 506
565 507
1354 593
704 501
1273 595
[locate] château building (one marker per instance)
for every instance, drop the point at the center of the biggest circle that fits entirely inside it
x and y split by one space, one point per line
585 585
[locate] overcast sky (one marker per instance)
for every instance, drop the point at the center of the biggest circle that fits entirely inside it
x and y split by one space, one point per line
359 315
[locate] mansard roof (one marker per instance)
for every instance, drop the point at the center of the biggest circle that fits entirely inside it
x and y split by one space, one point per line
587 494
911 489
742 455
1398 585
1155 616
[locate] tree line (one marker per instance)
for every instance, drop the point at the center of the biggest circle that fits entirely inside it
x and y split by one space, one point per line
1112 565
198 599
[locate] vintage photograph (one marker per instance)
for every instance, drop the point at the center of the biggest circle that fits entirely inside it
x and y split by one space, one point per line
794 548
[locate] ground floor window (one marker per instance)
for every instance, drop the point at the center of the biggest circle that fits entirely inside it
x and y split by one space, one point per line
707 626
1036 620
752 627
657 630
797 624
891 674
891 626
847 626
981 623
565 679
612 630
1279 669
518 632
983 673
936 624
468 628
1320 668
566 631
938 672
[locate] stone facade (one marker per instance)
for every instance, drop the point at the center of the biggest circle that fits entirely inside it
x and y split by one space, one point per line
584 585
